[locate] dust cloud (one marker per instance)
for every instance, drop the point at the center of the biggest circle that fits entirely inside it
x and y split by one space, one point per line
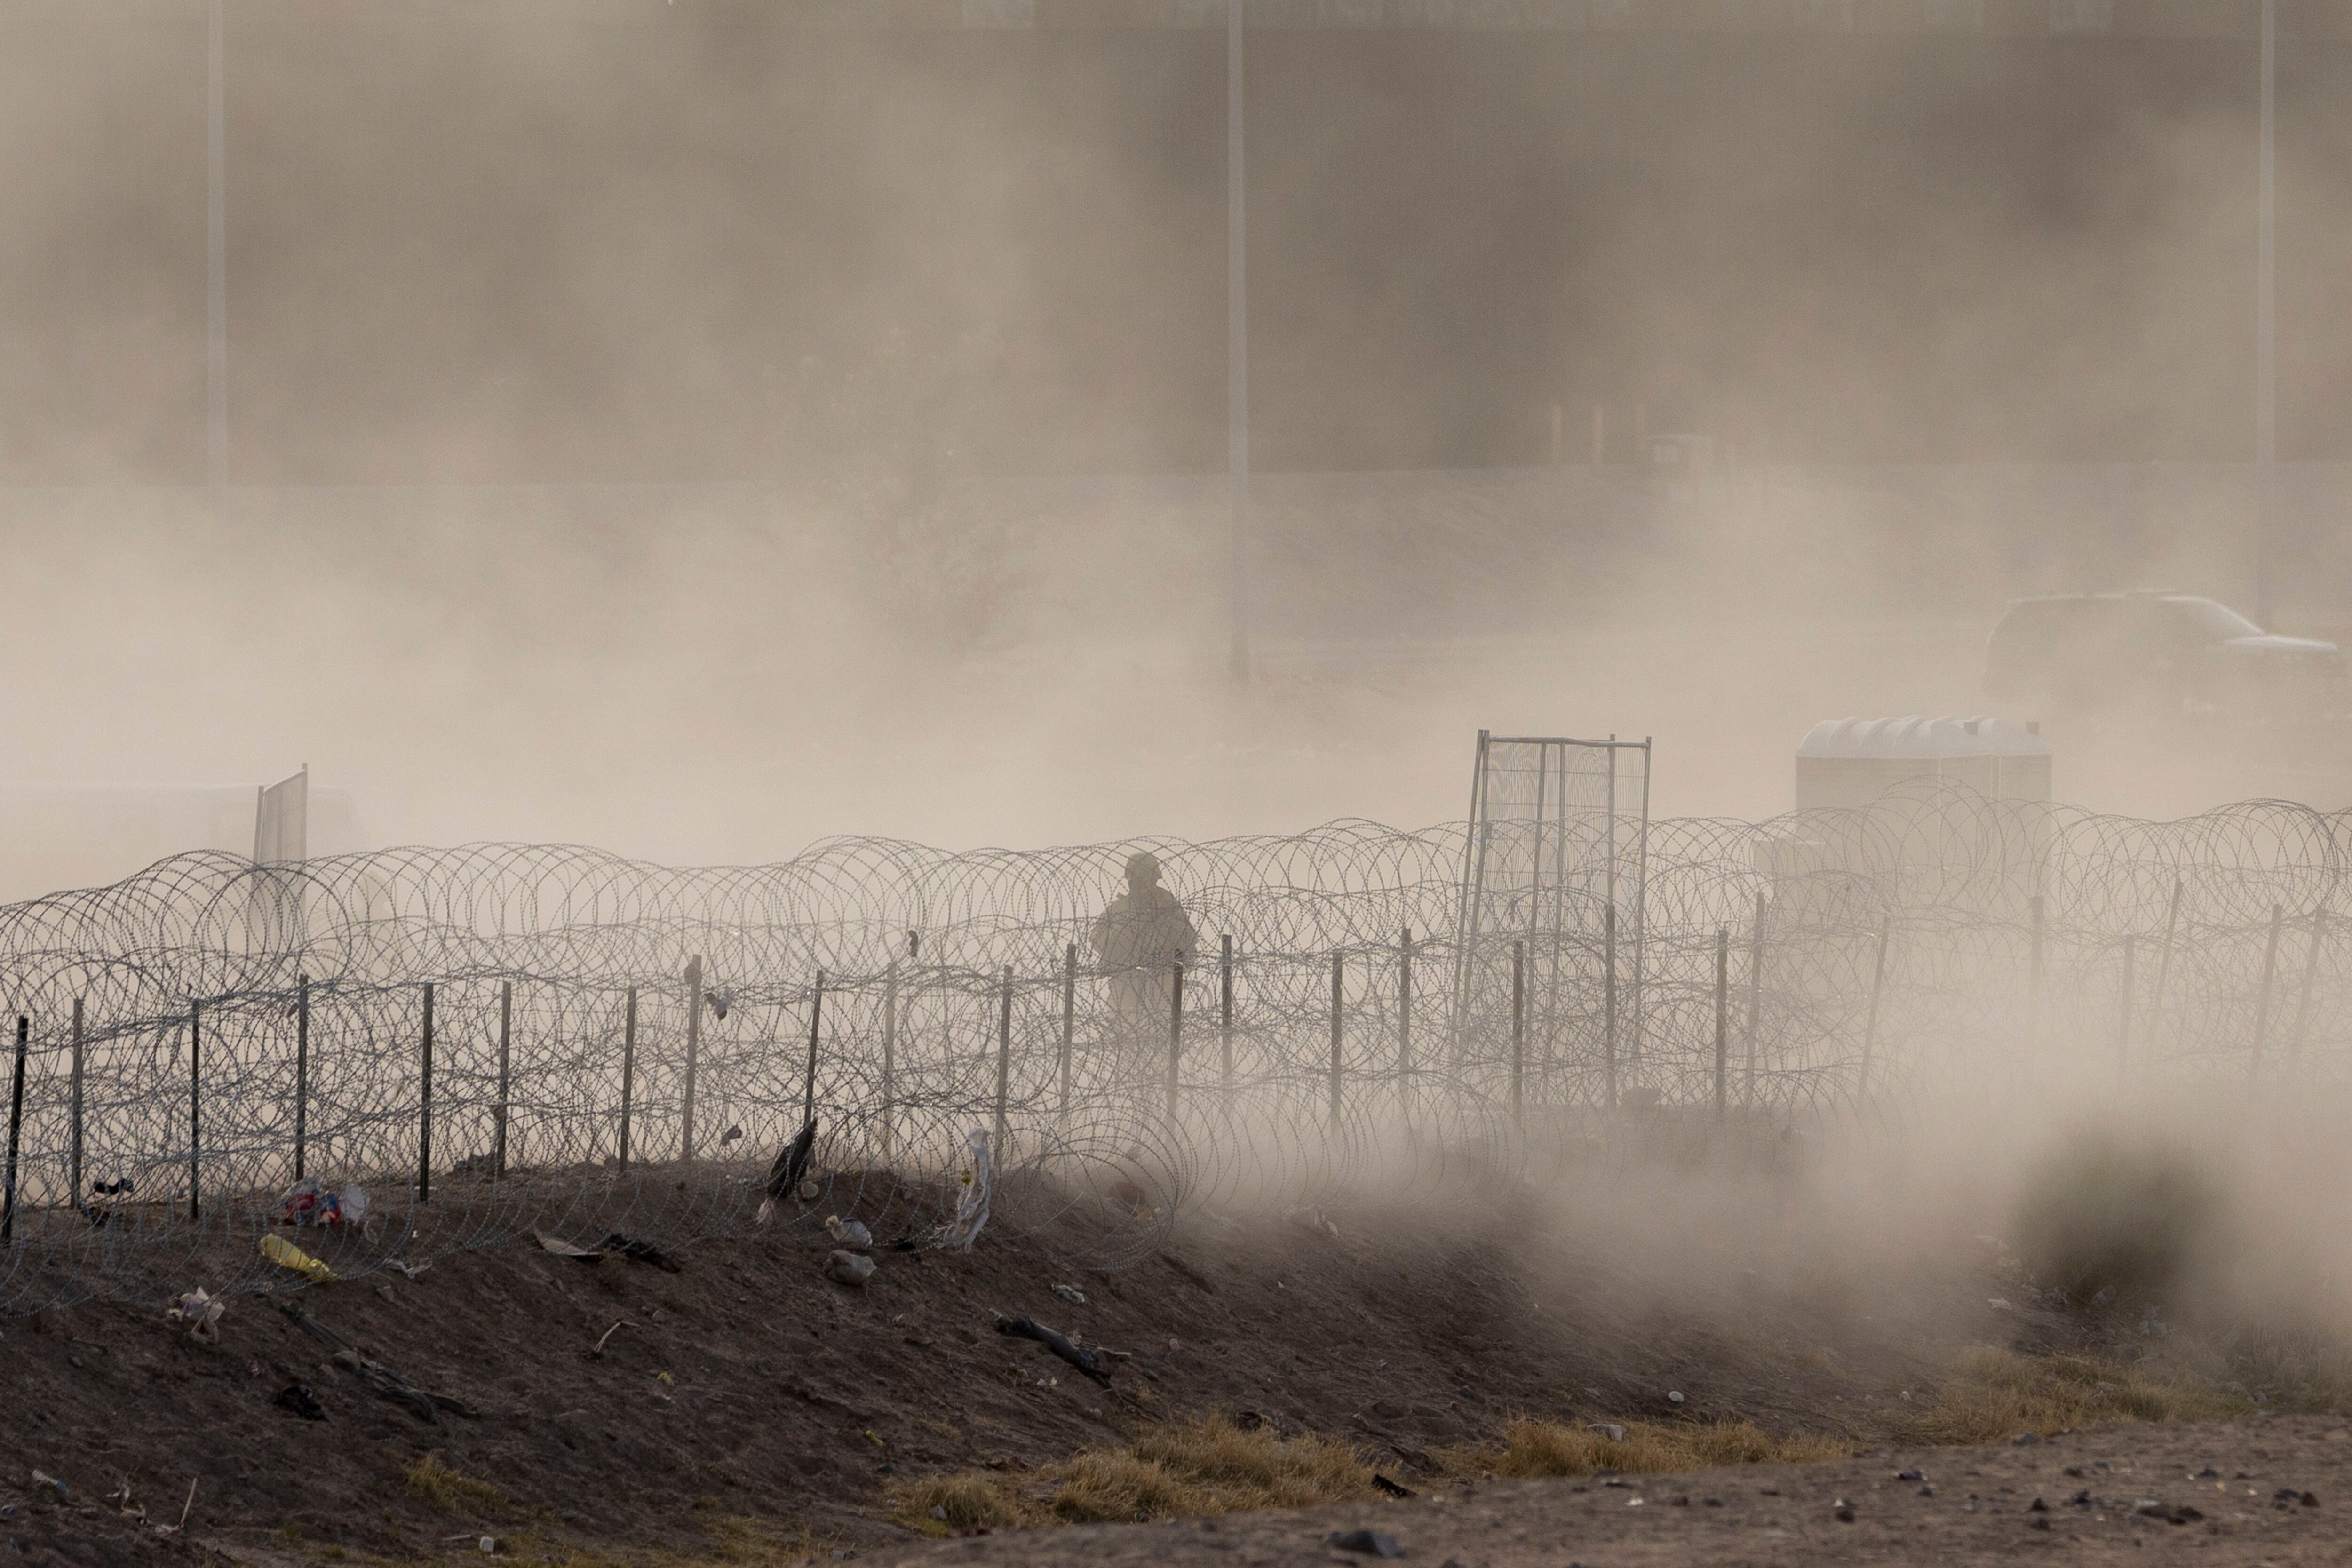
695 431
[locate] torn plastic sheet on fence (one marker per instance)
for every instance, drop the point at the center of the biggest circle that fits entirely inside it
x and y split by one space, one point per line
311 1202
972 1208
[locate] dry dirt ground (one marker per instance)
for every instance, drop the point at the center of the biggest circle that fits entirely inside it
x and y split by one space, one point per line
745 1399
2209 1493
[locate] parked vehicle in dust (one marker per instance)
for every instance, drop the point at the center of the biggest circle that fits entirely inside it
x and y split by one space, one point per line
2158 653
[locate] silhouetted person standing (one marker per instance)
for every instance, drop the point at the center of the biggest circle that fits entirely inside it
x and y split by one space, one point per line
1138 941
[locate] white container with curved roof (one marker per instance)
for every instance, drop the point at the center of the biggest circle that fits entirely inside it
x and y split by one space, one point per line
1849 762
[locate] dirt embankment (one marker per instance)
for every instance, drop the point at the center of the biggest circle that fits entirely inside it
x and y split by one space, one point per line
745 1398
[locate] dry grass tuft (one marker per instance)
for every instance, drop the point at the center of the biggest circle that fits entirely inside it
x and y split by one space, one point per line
451 1492
1993 1394
1183 1468
1550 1448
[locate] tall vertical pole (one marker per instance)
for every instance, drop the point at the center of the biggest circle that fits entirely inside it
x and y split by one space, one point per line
1609 1006
73 1171
1237 456
1225 1013
1722 1018
506 1079
1519 1034
16 1122
628 1069
889 1062
195 1106
693 1050
301 1072
1470 912
1641 905
1069 1026
1003 1058
1755 996
425 1107
215 263
1336 997
2262 1002
1175 1037
2266 333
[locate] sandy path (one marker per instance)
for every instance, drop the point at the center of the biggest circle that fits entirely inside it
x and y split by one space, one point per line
1978 1508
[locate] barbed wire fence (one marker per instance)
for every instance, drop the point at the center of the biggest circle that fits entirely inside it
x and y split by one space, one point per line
498 1039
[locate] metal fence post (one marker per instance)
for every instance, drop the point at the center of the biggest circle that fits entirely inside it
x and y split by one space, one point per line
16 1122
693 1050
195 1106
889 1063
425 1107
1878 984
628 1070
1519 1034
2303 997
2164 962
1722 1017
1404 1008
1175 1040
1069 1030
2263 1001
73 1173
301 1072
1336 1064
505 1063
1609 1007
816 1022
1225 1012
2034 971
1755 998
2124 1017
1003 1060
